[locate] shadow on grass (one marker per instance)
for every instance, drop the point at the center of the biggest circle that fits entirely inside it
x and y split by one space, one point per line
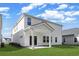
10 48
13 48
66 46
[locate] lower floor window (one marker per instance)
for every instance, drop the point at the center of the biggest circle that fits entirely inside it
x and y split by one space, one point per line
51 38
55 39
47 39
75 39
44 39
64 40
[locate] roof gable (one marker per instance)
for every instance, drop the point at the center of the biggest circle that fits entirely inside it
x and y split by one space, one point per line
24 14
40 26
41 19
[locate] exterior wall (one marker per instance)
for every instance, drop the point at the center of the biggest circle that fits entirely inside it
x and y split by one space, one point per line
40 39
77 36
69 39
19 38
19 26
27 40
44 31
56 33
22 38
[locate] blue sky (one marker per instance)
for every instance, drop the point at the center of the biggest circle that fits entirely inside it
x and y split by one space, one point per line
66 14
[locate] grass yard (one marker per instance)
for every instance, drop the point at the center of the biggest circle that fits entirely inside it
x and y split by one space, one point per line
54 51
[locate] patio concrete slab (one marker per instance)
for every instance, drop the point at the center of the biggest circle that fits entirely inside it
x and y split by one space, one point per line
39 47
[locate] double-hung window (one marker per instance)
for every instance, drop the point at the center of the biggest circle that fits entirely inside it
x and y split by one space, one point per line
28 21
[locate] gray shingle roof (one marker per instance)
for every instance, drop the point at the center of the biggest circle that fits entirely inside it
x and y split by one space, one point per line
70 31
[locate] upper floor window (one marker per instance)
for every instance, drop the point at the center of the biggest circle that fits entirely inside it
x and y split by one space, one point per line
28 21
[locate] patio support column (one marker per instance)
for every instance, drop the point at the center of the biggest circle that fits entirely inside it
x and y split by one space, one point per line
32 38
49 39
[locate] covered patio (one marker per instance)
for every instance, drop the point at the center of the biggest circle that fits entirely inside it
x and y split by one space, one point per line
37 31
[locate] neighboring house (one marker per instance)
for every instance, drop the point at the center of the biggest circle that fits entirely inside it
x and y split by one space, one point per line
6 40
0 29
71 36
33 31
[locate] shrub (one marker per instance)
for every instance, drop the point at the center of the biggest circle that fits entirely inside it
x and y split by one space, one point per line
2 45
15 44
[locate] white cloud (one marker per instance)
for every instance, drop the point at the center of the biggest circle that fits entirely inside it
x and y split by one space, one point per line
71 13
26 9
43 6
54 15
37 4
6 15
30 7
62 6
49 14
68 13
75 13
68 20
4 9
71 7
59 16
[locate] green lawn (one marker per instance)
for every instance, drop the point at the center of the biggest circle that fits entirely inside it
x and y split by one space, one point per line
54 51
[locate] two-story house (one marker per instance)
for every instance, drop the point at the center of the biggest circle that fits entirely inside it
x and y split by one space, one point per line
33 31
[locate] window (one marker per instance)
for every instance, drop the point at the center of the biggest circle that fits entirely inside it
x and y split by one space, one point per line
55 39
64 40
30 40
44 39
47 39
75 39
51 38
29 21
